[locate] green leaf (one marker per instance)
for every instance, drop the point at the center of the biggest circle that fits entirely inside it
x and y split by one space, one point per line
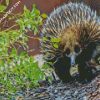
26 12
2 8
44 39
55 40
44 15
14 53
55 45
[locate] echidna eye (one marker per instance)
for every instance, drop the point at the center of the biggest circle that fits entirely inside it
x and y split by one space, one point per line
77 49
67 51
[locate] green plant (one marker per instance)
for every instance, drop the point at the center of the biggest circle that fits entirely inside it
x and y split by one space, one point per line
19 71
2 8
31 20
27 20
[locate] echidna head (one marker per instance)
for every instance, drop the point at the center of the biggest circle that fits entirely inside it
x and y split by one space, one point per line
76 40
70 44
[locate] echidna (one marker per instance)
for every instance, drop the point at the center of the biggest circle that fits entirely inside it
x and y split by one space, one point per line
71 35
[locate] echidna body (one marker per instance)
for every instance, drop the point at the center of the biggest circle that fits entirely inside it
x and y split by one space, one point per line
70 36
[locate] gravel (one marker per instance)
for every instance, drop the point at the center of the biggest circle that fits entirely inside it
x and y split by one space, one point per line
69 91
